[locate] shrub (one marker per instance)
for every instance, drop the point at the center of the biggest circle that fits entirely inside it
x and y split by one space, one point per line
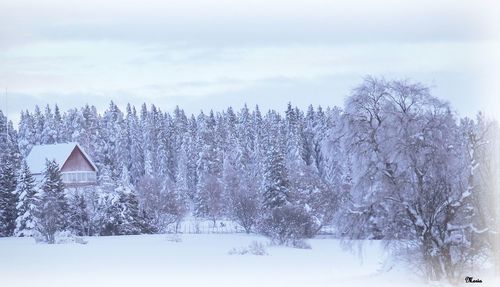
255 248
287 224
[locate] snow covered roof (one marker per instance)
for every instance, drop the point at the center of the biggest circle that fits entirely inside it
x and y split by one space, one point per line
58 152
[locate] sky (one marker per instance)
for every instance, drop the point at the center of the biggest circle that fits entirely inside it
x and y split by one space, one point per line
213 54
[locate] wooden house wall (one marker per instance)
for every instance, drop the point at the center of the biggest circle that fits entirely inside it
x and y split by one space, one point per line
77 162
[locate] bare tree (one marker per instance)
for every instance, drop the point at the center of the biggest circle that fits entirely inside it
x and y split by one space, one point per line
209 200
411 176
161 202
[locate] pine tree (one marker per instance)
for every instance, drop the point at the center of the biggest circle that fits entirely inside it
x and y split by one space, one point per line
275 184
122 215
27 133
113 137
193 155
9 156
8 197
39 125
26 220
52 209
79 221
135 151
131 220
209 195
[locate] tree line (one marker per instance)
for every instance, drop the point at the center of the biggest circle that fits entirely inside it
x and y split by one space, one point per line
395 164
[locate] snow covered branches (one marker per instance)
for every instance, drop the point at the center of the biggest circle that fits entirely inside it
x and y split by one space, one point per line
413 177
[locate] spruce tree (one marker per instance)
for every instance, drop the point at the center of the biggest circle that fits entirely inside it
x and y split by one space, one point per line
79 222
52 209
8 198
26 192
9 155
275 183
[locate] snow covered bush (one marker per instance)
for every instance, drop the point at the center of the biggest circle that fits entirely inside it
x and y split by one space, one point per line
63 237
174 238
300 244
257 248
287 224
254 248
60 237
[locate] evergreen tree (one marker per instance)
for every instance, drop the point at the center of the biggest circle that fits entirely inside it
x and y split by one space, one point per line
79 220
52 209
209 195
8 197
26 192
27 133
122 214
113 137
9 157
276 184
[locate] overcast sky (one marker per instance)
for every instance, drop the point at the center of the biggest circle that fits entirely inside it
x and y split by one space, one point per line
212 54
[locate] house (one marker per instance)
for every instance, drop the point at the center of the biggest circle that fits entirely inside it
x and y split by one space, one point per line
77 168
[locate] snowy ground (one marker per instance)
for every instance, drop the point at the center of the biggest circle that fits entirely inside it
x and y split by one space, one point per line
198 260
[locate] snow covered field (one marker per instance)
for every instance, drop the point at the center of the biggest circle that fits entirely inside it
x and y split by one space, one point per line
197 260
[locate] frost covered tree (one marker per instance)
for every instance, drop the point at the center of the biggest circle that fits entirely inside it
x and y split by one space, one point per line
394 164
481 138
134 141
275 188
9 158
122 211
79 221
26 132
26 207
410 176
8 196
52 210
242 191
209 192
162 204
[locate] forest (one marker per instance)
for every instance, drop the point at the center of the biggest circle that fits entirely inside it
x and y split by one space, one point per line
394 164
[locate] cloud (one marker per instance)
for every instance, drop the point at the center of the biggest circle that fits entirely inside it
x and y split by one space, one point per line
209 54
258 22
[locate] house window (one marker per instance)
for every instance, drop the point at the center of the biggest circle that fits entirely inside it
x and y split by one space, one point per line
84 176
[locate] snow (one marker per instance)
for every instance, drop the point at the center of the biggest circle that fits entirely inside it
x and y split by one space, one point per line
58 152
38 155
194 260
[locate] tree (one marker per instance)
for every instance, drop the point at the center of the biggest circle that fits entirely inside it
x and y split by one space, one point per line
276 184
245 207
209 191
8 197
410 177
288 224
320 200
209 199
52 209
9 158
161 203
26 220
79 221
123 215
241 184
